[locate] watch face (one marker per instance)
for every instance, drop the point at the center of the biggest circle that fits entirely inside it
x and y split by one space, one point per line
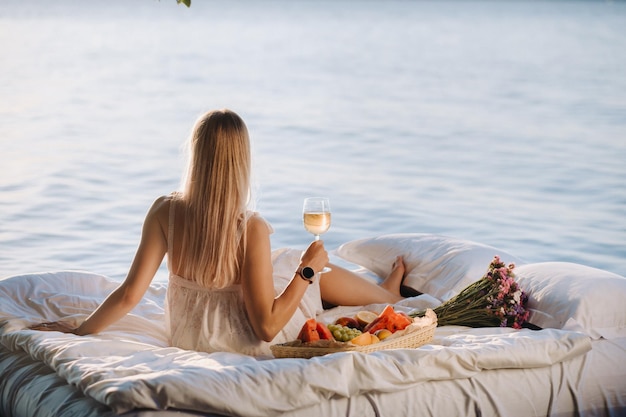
308 272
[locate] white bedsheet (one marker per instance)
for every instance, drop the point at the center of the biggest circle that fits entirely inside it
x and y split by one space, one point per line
130 365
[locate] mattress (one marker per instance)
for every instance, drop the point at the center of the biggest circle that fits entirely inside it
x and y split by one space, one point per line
590 385
574 366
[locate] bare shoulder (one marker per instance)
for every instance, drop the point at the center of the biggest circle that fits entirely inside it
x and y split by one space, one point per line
160 209
258 225
257 241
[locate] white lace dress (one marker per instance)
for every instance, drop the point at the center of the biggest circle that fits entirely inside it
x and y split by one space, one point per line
215 320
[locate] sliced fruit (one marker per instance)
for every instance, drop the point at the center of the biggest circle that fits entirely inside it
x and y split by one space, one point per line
323 332
362 340
398 322
388 319
377 324
309 333
365 317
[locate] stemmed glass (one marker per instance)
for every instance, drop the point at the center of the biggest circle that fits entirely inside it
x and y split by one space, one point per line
316 217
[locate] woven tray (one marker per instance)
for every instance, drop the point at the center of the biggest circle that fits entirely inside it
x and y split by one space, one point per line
410 340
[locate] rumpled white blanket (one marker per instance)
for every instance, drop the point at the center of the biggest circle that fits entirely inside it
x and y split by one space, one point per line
131 366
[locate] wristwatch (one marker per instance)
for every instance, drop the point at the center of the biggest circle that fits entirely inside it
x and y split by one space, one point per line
307 273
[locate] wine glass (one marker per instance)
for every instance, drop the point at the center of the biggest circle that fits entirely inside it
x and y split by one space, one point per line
316 217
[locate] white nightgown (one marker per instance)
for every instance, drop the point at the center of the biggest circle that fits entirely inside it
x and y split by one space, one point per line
215 320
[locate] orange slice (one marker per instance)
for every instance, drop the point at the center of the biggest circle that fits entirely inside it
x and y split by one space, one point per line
365 317
363 339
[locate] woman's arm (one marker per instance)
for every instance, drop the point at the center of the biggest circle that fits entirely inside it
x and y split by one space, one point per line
267 313
152 248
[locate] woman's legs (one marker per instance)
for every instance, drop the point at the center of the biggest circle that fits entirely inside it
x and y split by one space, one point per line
343 287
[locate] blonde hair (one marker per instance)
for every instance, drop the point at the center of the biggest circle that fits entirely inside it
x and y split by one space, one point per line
214 196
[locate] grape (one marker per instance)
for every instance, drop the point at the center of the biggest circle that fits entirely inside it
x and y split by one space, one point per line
343 333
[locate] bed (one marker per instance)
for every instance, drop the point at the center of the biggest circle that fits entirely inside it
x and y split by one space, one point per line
574 366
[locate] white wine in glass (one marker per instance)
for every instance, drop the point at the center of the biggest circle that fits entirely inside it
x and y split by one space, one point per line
316 217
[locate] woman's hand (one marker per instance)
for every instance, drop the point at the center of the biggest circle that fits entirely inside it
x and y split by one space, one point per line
54 326
315 256
149 255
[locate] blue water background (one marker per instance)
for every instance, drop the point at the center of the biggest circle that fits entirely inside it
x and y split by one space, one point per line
498 122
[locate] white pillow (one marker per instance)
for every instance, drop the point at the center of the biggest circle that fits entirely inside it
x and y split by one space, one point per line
565 295
437 265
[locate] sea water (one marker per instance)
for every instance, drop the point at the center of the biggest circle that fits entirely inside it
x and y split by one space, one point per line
498 122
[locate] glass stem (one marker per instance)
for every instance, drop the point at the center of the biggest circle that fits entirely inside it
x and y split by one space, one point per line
317 237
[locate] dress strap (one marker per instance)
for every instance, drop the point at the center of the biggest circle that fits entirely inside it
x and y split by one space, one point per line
170 229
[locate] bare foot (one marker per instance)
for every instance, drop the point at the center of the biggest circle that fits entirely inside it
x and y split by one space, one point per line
394 280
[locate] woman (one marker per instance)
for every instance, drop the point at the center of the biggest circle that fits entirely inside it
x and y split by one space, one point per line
221 293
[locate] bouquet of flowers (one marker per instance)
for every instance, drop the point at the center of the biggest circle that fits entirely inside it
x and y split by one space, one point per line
493 301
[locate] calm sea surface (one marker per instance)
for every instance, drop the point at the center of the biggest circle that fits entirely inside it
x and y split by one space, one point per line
498 122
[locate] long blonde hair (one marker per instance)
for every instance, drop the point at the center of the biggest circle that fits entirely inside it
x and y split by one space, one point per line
215 194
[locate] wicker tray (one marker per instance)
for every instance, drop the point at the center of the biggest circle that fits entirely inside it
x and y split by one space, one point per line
410 340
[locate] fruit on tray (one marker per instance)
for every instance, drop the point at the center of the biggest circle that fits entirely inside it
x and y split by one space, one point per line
308 333
388 319
365 339
343 333
365 317
382 334
323 331
313 331
348 322
365 328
